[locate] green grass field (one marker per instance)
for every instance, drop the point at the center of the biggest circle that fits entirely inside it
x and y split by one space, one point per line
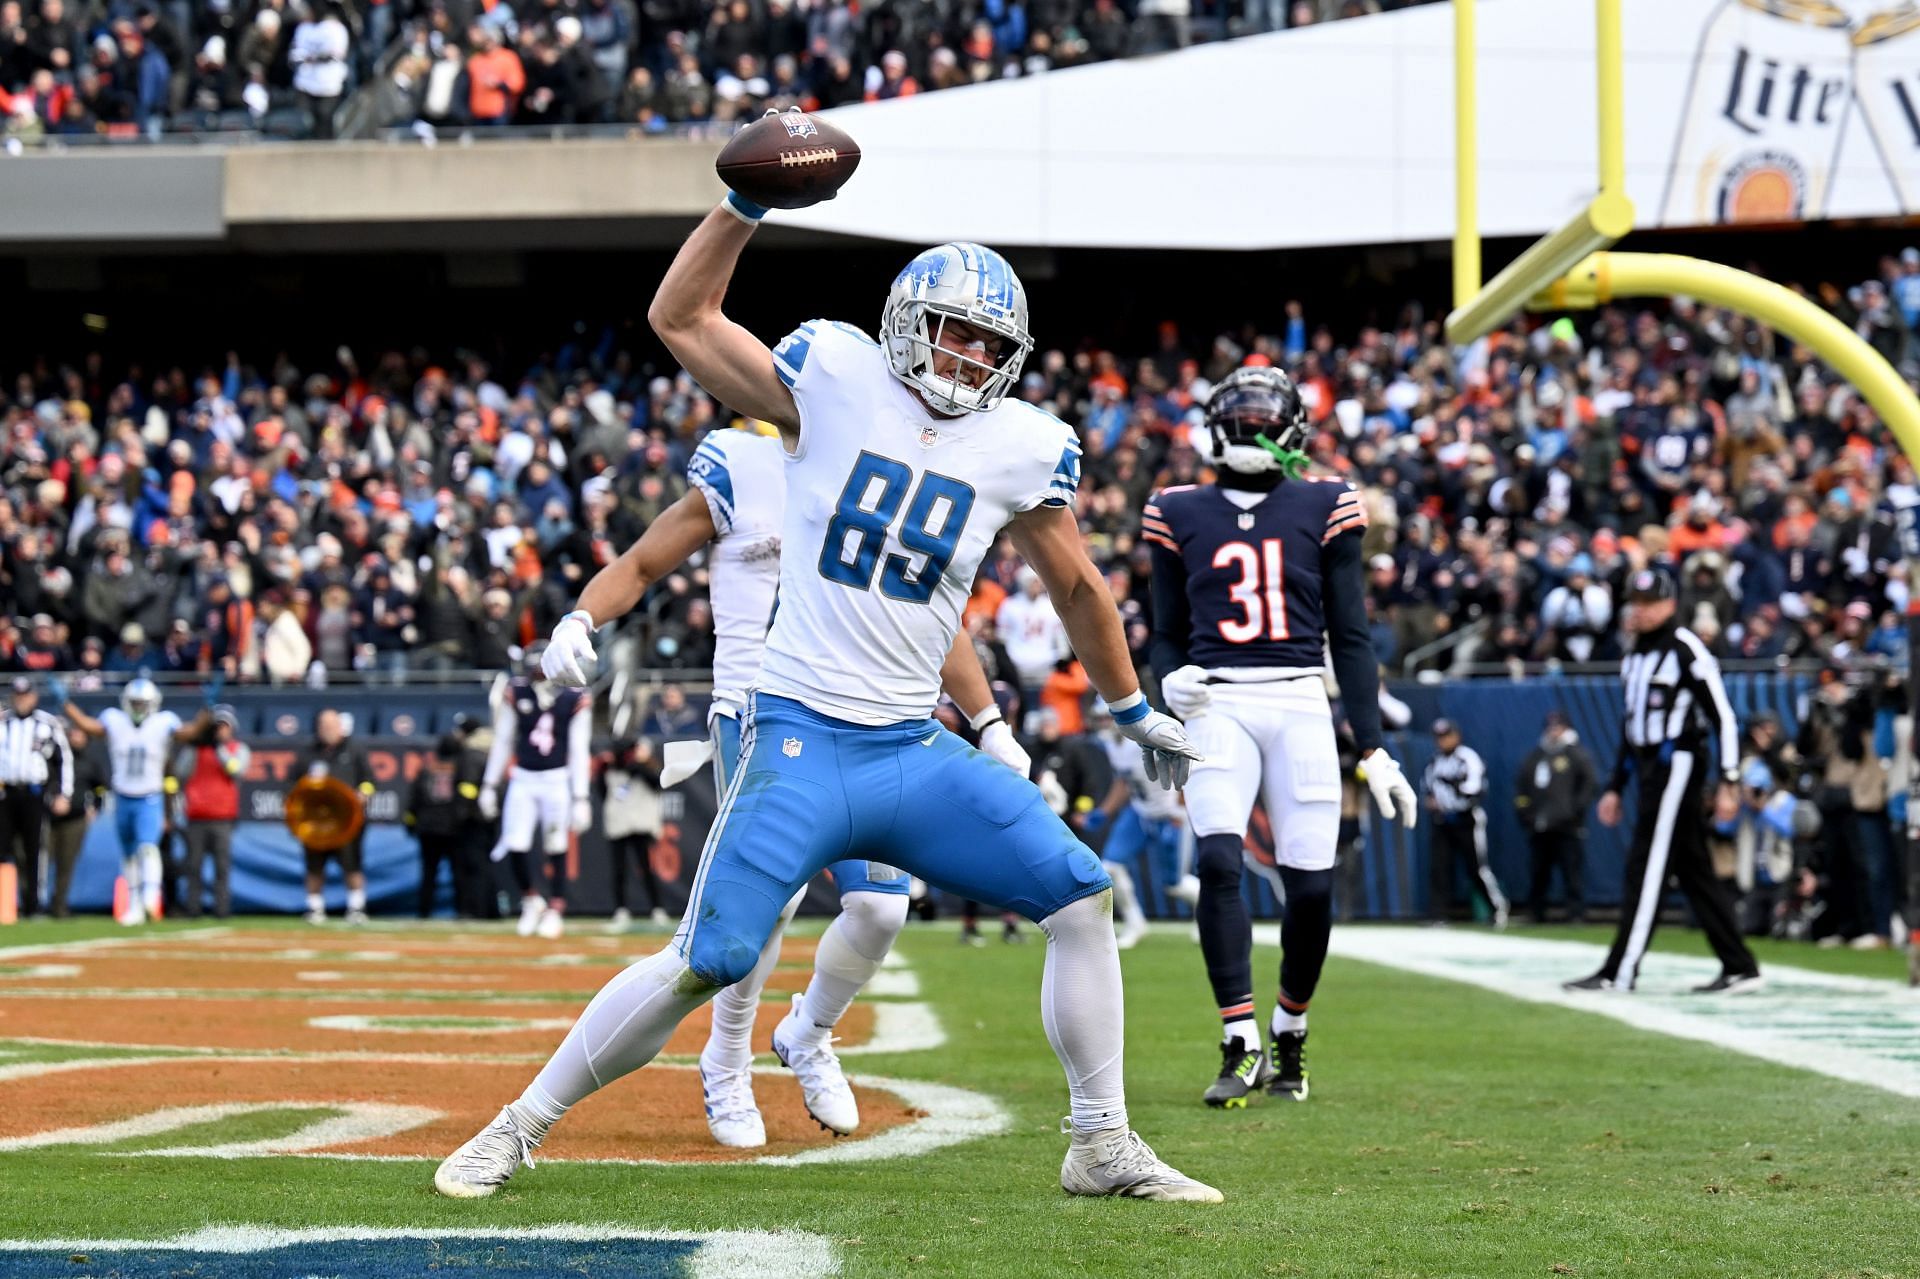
1451 1131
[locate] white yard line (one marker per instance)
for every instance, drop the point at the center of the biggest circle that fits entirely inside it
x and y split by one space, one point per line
721 1254
1852 1028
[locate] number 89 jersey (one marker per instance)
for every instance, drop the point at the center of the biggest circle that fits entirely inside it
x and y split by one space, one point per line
1254 581
890 509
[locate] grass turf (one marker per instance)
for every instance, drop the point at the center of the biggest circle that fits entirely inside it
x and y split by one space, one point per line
1451 1132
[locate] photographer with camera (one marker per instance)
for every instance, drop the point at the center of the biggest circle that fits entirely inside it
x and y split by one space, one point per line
1849 786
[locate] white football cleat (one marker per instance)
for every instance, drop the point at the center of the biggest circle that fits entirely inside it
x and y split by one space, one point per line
1114 1161
1186 890
136 915
316 916
552 924
823 1084
1129 937
621 919
733 1116
659 918
531 908
356 918
483 1165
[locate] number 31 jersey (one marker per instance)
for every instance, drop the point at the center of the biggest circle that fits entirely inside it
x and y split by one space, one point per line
1254 581
890 510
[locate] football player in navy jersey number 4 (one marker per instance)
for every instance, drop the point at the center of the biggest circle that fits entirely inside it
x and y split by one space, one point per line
904 459
1248 573
545 730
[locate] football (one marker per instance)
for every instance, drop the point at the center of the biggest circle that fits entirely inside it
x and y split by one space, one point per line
788 160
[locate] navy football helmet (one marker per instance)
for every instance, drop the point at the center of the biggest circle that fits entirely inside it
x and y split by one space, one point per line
1256 421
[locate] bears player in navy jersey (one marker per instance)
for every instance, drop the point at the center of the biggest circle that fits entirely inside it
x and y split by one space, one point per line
546 731
1248 574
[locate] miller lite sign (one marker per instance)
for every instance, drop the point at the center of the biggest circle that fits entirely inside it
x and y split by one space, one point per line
1770 103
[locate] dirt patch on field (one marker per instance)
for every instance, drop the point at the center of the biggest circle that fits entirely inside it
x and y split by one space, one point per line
346 975
490 1028
654 1113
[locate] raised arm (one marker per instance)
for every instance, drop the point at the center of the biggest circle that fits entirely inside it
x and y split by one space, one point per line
732 364
83 721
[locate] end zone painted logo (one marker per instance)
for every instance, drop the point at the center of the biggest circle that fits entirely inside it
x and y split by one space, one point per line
558 1252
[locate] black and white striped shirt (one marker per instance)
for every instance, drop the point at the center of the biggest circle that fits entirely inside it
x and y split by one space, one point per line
1674 698
1457 780
34 752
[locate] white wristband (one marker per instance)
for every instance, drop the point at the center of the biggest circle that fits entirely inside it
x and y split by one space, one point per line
988 716
586 618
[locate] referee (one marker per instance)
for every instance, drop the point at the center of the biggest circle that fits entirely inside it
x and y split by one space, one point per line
36 780
1674 697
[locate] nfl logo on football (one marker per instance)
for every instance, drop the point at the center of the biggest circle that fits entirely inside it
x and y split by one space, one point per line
791 748
799 126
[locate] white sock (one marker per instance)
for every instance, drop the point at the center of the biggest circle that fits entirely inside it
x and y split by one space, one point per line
356 899
622 1030
730 1042
536 1111
1084 1012
1125 899
1284 1021
848 956
153 871
316 903
1243 1030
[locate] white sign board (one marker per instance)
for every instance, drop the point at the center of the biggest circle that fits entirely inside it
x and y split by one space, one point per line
1736 110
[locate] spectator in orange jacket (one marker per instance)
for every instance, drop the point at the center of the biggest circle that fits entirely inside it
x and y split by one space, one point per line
1065 693
495 79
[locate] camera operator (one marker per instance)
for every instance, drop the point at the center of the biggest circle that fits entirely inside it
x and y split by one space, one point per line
1850 788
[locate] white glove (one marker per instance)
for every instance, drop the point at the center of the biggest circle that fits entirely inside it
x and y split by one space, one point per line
1390 788
1053 792
489 802
1169 755
997 740
582 816
569 658
1186 692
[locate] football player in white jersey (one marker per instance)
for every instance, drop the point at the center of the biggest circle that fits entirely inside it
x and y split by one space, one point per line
737 504
904 461
141 738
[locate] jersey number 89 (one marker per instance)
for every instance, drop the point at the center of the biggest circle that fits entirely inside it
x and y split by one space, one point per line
868 505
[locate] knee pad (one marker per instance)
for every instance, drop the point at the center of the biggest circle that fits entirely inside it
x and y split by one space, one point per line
1306 886
1218 859
555 841
720 956
869 922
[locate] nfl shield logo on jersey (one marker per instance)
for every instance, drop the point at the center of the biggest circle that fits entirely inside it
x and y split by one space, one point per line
929 436
799 126
790 748
1246 519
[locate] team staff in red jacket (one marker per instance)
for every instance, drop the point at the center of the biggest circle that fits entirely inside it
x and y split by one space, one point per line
211 792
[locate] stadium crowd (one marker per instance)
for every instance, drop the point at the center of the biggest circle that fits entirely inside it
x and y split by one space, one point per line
400 516
76 67
404 514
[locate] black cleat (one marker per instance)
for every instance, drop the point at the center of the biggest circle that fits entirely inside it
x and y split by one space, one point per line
1289 1065
1732 984
1243 1071
1598 982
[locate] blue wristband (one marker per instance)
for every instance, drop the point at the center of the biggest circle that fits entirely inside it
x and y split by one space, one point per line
1130 710
744 209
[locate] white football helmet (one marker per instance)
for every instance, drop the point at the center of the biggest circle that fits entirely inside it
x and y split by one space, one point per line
140 699
962 282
